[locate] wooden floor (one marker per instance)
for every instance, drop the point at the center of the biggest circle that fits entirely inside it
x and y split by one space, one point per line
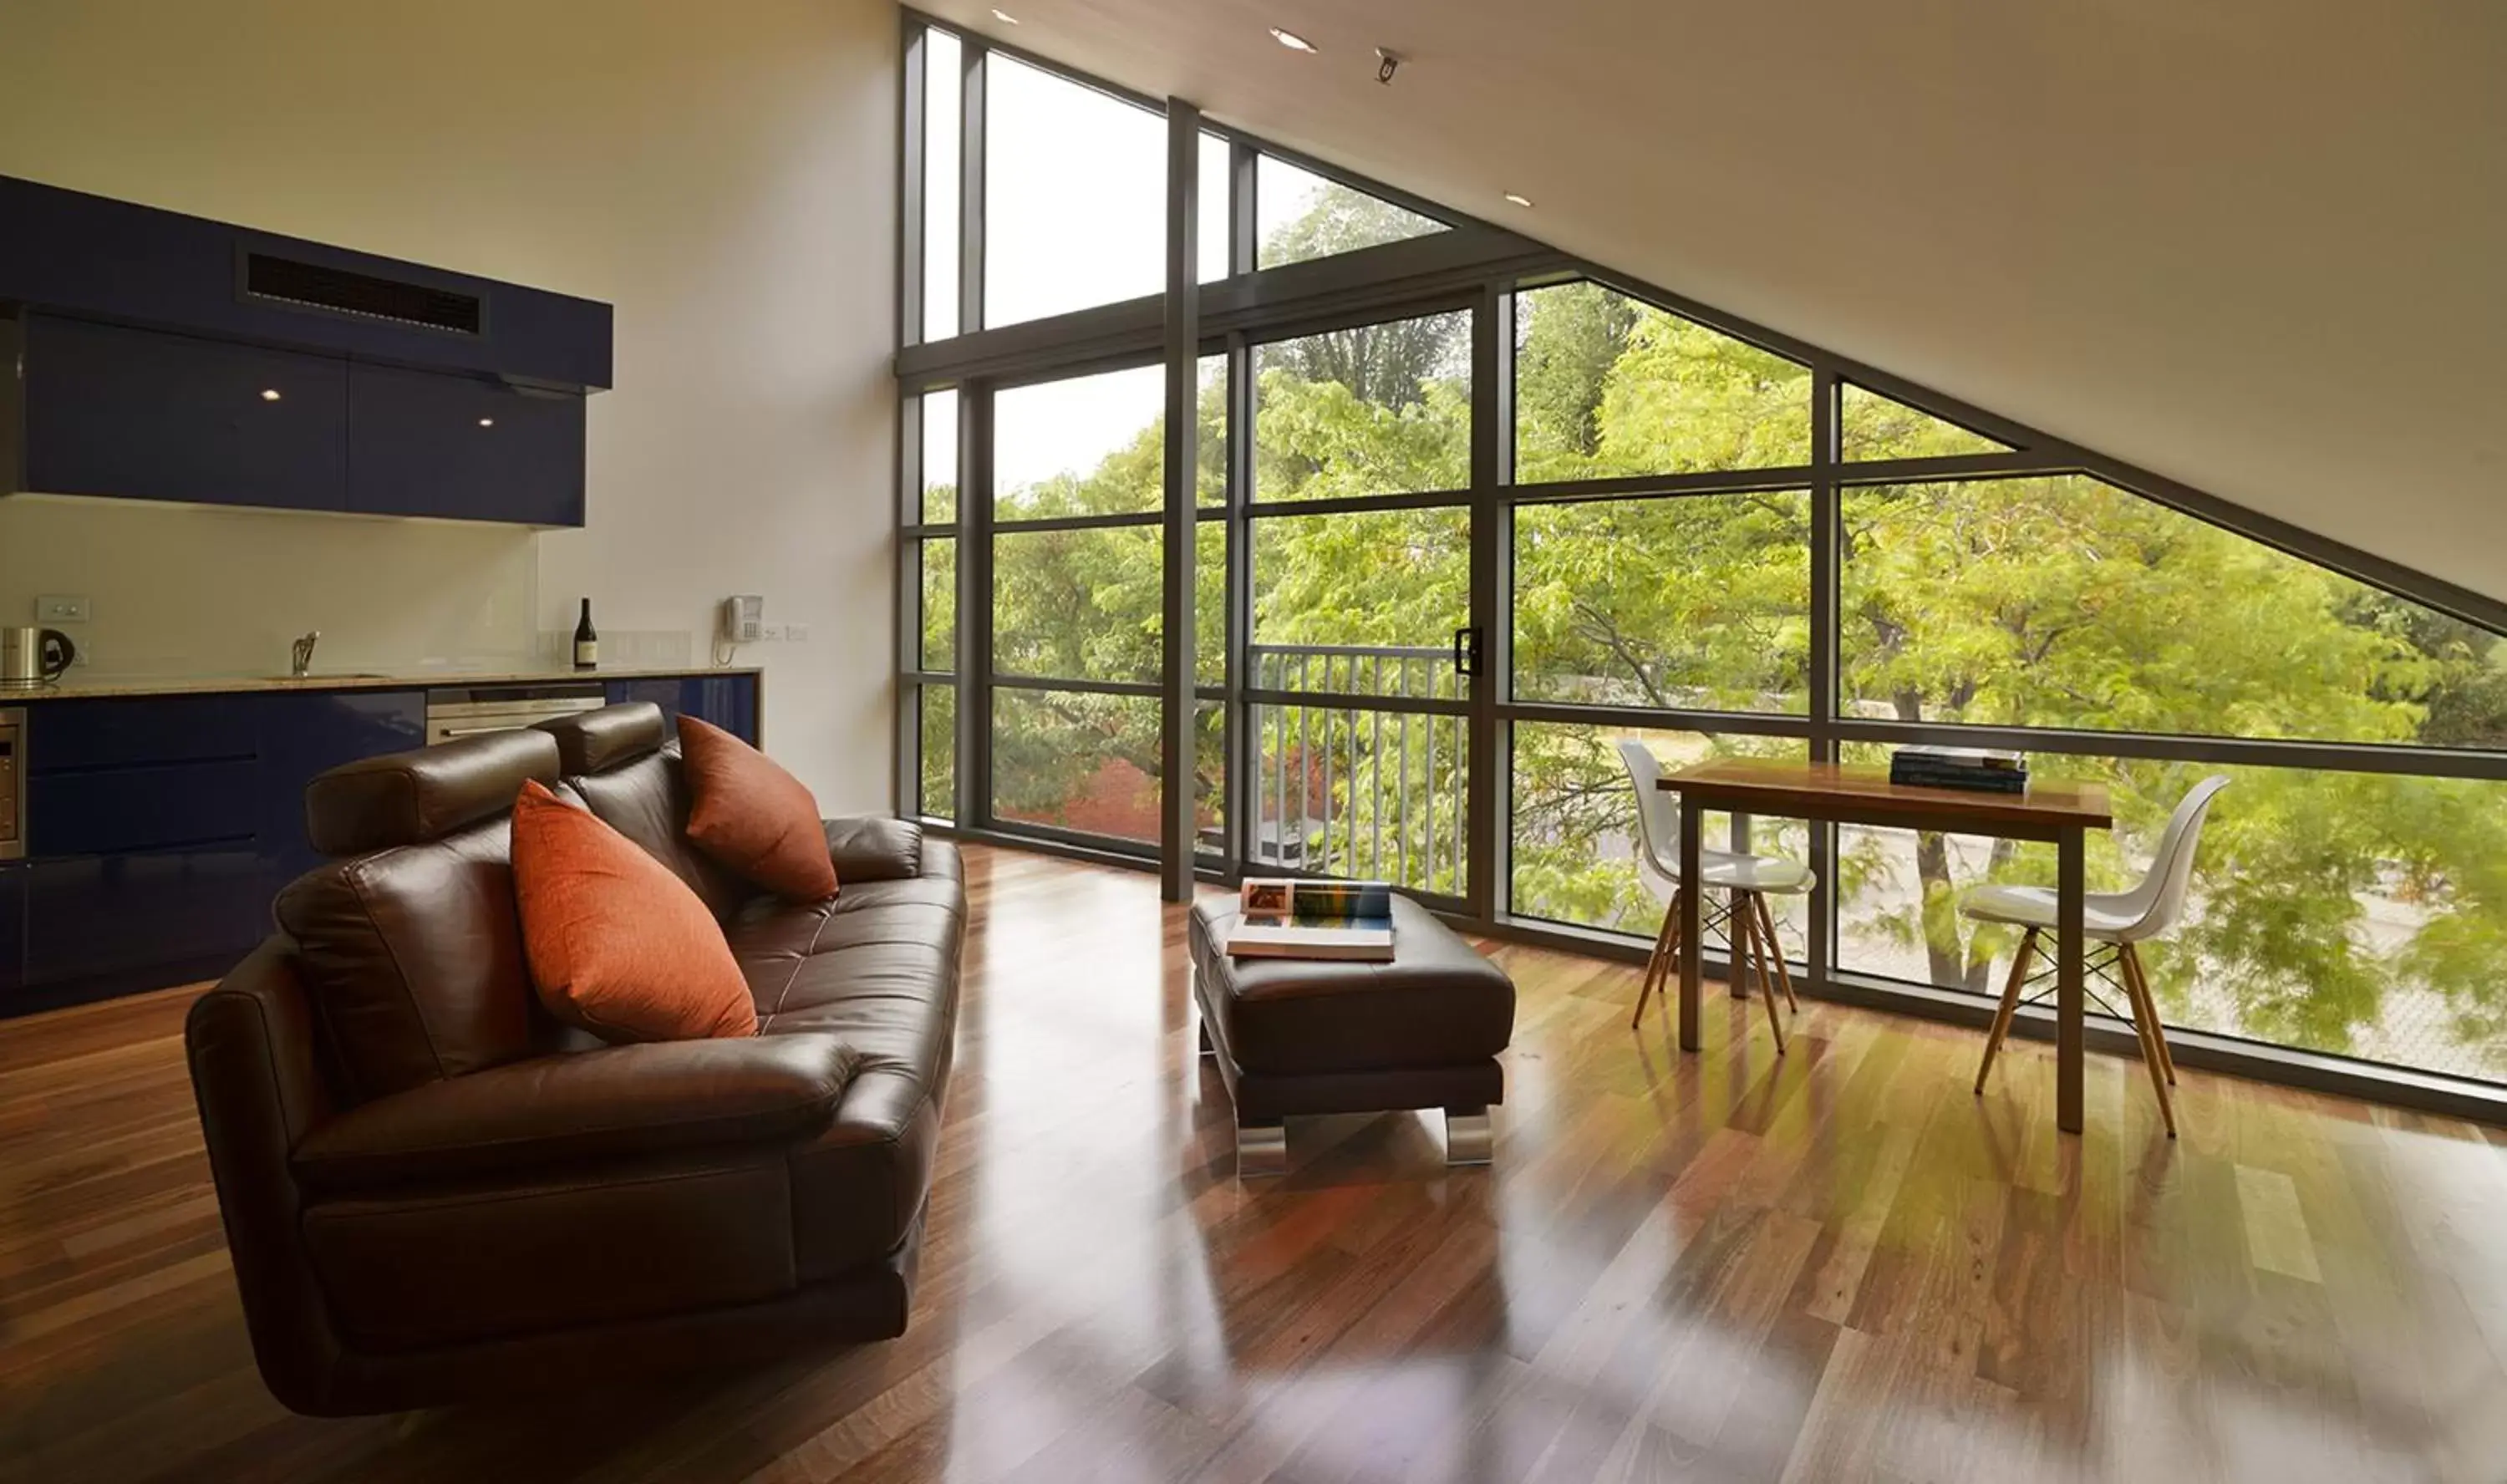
1837 1266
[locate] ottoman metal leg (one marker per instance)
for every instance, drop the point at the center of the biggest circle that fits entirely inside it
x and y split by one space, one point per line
1207 1049
1468 1139
1262 1150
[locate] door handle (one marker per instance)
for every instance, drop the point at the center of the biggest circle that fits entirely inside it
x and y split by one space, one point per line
1467 651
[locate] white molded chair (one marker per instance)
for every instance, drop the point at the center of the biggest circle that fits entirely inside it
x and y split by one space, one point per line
1747 881
2116 919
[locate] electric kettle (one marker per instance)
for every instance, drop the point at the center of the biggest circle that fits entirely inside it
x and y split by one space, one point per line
33 657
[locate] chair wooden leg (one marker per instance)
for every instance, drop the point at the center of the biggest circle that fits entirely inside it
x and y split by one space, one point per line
2003 1012
1776 951
2145 1023
1657 968
2158 1032
1744 912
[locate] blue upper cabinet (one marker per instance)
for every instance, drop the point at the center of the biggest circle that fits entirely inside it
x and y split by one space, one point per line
224 423
160 356
102 259
424 443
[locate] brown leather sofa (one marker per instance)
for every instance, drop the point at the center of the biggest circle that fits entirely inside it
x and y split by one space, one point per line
432 1191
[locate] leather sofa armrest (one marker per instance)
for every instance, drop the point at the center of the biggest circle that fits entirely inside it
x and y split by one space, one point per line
875 848
618 1100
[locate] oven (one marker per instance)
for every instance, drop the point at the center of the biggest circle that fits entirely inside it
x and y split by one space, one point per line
13 784
454 713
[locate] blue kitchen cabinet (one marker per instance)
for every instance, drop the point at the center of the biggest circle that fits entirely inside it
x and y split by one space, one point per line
109 409
304 733
425 443
98 925
161 827
728 702
13 931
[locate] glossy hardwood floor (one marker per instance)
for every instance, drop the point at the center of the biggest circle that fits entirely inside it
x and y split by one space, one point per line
1837 1266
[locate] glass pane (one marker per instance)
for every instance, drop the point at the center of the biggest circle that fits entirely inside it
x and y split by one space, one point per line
1700 603
1575 829
1870 425
1212 194
1210 438
1078 762
943 111
940 604
1079 604
2063 601
1375 795
1380 409
939 458
1085 446
1210 779
939 703
2360 914
1607 387
1300 215
1395 582
1209 603
1075 196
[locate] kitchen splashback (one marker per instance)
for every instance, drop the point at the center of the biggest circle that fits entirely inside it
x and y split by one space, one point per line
198 589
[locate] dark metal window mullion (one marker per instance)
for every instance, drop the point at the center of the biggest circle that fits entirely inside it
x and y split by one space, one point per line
974 605
1826 532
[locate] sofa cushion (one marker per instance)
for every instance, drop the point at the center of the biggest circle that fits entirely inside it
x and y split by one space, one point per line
617 944
414 960
748 813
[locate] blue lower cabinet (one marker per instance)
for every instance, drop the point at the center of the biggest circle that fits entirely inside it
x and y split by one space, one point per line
728 702
301 736
144 920
13 931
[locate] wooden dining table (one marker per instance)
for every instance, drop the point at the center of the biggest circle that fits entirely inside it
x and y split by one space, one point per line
2059 813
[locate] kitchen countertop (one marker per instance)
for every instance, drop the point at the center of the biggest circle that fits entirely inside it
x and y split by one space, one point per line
423 679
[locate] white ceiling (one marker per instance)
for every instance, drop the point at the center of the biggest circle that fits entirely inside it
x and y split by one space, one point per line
2259 246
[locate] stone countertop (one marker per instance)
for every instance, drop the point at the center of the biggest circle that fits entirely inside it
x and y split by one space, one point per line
75 688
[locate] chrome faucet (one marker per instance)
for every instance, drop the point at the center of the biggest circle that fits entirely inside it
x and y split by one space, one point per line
303 650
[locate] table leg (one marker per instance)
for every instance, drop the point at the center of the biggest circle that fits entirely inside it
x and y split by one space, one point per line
1692 935
2070 885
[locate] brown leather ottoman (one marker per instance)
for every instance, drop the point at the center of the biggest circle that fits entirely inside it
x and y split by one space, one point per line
1297 1037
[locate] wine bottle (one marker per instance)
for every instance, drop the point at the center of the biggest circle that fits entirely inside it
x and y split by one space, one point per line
587 643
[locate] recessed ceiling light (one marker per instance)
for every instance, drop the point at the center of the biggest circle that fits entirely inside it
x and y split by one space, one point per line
1293 42
487 422
1006 18
1520 200
269 394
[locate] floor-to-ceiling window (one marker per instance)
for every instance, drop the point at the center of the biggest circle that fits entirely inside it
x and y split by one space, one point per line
1471 512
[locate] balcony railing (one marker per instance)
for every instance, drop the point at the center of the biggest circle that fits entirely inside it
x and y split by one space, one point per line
1346 789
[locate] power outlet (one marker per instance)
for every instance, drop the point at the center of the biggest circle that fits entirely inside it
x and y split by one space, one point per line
60 608
770 632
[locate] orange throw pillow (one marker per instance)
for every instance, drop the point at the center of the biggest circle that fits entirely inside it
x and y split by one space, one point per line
753 817
617 944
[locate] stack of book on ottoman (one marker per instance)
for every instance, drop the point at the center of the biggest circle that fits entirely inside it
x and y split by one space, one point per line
1286 918
1976 768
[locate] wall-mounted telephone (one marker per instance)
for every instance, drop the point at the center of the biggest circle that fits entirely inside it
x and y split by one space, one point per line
744 619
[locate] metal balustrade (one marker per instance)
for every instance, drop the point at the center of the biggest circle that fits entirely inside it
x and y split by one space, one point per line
1343 787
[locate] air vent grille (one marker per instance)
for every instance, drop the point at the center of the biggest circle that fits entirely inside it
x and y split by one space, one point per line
337 289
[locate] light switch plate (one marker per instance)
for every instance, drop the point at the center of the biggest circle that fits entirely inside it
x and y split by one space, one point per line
60 608
796 632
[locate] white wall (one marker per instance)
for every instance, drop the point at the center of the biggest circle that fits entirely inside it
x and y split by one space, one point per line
723 174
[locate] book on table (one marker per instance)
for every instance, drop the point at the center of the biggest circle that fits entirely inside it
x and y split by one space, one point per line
1984 768
1280 918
